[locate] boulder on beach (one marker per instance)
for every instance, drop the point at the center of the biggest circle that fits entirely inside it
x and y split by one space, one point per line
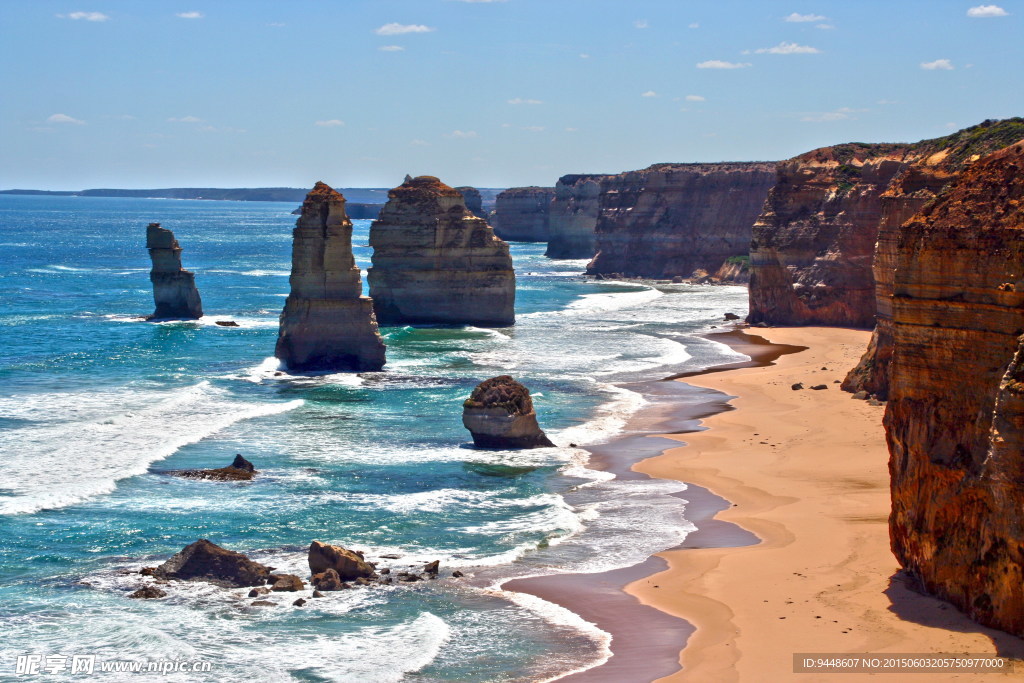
499 414
349 564
239 470
206 561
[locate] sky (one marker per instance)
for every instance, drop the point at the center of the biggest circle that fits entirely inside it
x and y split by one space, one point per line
492 93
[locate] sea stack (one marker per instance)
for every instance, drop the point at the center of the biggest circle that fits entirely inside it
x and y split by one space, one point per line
521 214
499 414
174 288
327 324
434 262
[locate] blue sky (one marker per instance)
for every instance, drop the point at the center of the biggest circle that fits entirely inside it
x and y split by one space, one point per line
225 93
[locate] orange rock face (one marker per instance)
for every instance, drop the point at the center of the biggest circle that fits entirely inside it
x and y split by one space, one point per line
955 419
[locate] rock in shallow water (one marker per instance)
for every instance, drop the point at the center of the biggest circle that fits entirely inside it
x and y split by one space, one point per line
239 470
348 564
499 414
206 561
174 288
148 593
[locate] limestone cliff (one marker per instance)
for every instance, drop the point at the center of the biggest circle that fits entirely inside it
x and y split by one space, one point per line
174 288
573 217
521 214
434 262
676 219
499 414
326 323
955 419
933 164
474 202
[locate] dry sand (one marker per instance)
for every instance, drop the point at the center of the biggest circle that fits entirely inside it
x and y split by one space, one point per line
806 471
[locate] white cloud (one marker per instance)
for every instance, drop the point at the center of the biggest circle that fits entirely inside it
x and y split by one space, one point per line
695 98
785 48
520 100
943 64
88 16
64 118
694 25
481 0
419 143
801 18
719 64
390 48
825 26
584 55
571 129
184 119
395 29
533 129
649 93
463 134
841 114
189 15
641 23
985 11
330 123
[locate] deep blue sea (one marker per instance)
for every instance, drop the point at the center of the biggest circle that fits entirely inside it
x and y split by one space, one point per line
96 405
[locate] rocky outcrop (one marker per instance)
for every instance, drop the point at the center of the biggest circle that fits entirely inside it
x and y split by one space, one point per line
685 220
240 469
474 202
932 166
327 324
434 262
573 217
955 418
499 414
174 288
349 564
521 214
206 561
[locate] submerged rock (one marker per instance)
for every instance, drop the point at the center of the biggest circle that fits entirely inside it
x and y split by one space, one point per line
174 288
206 561
434 262
148 593
327 324
286 583
239 470
348 564
499 414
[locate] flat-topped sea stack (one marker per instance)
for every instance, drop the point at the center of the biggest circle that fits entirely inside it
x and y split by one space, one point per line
499 414
327 325
474 202
573 217
174 288
955 418
521 214
680 220
434 262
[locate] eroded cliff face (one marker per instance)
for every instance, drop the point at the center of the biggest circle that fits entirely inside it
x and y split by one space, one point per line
434 262
327 324
521 214
676 219
573 217
933 164
474 202
174 288
955 419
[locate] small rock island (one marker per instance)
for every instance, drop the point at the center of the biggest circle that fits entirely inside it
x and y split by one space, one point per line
174 288
499 414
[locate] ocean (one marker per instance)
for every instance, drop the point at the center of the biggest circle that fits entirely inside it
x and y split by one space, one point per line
96 406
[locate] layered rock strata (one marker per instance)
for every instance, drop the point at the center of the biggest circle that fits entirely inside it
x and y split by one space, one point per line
521 214
955 419
573 217
474 202
932 165
434 262
327 324
680 220
499 414
174 288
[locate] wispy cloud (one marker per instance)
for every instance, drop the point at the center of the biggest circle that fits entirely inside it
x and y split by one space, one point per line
184 119
533 129
841 114
329 123
641 23
570 129
804 18
520 100
719 64
463 134
694 25
695 98
64 118
825 26
937 65
189 15
395 29
649 93
419 143
785 48
481 0
985 11
390 48
584 55
87 16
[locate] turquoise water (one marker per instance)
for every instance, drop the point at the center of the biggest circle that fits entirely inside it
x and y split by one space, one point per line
96 405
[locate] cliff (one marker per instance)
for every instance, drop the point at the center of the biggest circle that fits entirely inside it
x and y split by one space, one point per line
174 288
499 414
677 219
521 214
474 201
573 217
955 419
326 323
933 165
434 262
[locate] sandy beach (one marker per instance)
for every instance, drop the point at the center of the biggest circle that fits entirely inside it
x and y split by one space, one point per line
806 472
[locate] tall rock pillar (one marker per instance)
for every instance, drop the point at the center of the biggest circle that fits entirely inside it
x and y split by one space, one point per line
174 288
